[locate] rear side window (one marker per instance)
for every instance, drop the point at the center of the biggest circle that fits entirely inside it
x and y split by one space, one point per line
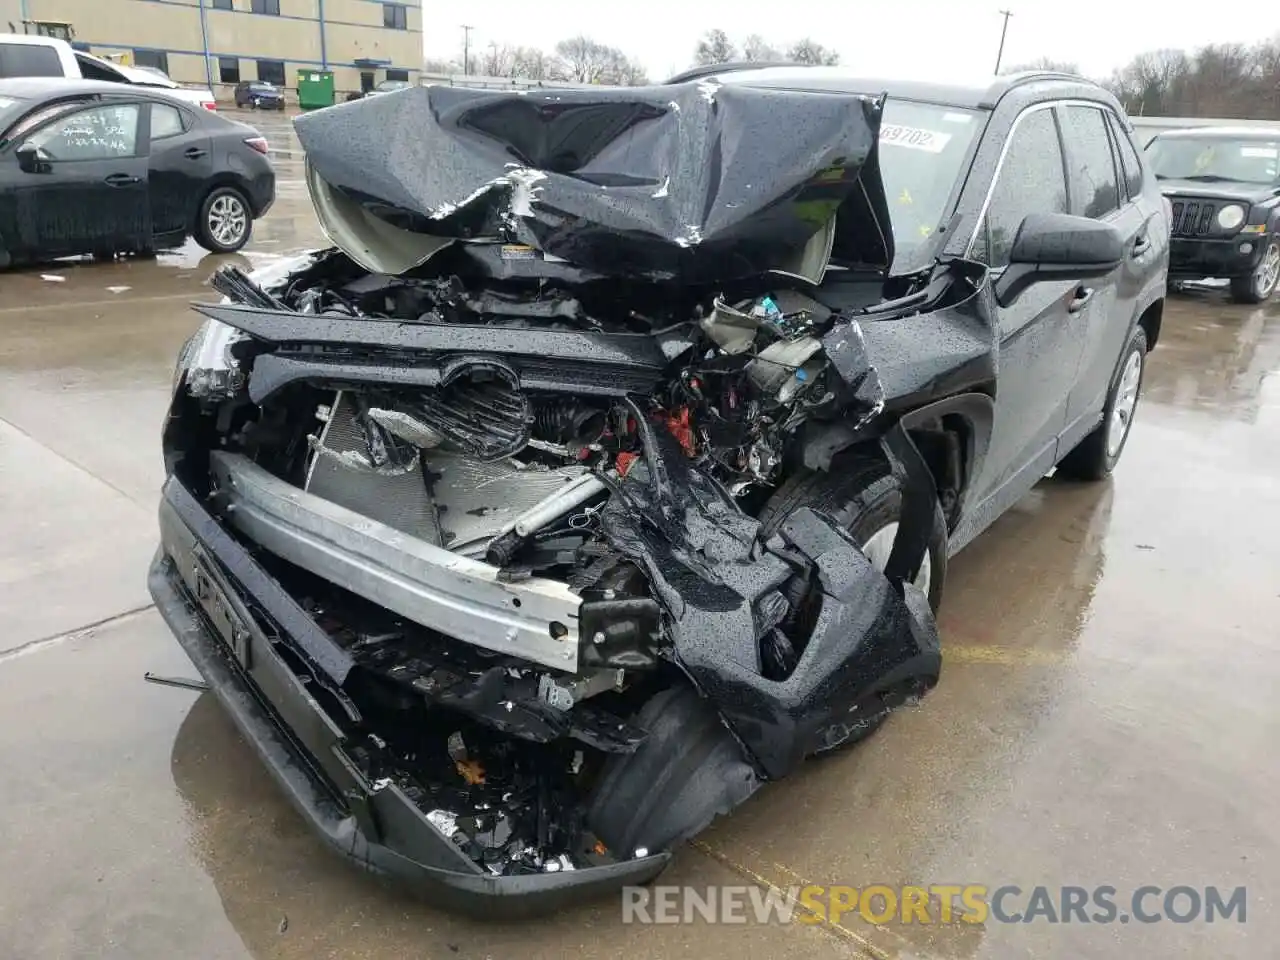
1095 191
166 121
1131 165
1031 180
29 60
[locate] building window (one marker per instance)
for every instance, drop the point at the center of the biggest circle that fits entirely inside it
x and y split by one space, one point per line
272 71
393 74
156 59
223 5
394 16
228 70
270 7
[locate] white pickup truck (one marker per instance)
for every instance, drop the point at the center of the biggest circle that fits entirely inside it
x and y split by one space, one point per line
22 55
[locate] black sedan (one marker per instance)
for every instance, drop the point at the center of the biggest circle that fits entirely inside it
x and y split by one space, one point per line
95 168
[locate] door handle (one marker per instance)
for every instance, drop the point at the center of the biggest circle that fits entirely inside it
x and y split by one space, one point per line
193 153
1140 246
1082 296
121 180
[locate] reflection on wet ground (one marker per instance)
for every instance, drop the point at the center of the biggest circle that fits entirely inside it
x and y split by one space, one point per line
1105 715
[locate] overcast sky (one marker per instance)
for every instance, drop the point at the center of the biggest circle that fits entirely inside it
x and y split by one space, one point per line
927 38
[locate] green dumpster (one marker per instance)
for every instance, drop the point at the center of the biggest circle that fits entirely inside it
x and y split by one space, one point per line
315 89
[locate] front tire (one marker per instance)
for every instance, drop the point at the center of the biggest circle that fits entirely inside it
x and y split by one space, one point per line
224 222
1097 454
861 494
1261 284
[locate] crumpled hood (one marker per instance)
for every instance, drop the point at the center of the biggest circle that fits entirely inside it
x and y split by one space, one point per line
695 182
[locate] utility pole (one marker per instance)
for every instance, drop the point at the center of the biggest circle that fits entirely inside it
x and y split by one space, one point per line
1003 30
466 49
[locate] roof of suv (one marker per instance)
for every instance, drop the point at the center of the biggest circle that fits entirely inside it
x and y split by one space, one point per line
980 92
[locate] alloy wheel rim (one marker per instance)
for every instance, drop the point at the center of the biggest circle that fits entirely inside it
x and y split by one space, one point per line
227 220
1269 271
880 545
1125 403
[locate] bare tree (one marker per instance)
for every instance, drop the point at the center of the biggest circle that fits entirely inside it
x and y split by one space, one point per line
756 50
497 61
620 70
715 47
1046 64
442 67
813 53
586 58
530 63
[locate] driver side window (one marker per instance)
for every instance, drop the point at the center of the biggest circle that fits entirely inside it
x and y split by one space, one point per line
1032 179
98 133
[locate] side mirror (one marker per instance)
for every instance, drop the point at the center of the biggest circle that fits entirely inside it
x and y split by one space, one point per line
29 159
1058 246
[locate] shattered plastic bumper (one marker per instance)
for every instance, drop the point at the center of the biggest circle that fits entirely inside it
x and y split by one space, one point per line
199 580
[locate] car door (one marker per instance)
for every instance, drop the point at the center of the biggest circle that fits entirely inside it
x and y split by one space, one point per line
181 163
1039 345
87 188
1109 187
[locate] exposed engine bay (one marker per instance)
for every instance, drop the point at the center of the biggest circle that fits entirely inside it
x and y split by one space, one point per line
504 481
554 500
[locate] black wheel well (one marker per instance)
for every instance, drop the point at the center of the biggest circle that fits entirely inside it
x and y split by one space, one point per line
946 443
1150 322
225 179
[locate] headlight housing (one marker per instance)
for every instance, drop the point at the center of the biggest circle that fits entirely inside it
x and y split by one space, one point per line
1231 216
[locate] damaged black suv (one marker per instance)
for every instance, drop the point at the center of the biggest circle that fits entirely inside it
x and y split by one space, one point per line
609 463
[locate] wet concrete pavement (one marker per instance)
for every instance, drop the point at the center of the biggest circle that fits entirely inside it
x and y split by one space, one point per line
1107 713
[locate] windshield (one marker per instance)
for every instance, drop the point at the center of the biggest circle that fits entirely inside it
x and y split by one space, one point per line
393 84
922 152
263 87
1214 160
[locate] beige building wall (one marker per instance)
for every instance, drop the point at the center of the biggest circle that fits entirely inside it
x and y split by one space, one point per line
353 30
10 13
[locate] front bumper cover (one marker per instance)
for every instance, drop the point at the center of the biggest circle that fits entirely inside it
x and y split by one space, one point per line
1193 259
197 580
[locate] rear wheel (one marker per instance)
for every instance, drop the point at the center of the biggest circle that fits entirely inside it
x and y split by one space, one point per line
1261 284
224 222
1098 453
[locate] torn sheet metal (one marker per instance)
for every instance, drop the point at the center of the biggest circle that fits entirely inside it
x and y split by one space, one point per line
692 181
873 643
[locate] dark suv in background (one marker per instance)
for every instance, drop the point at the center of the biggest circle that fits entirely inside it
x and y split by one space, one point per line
1224 187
